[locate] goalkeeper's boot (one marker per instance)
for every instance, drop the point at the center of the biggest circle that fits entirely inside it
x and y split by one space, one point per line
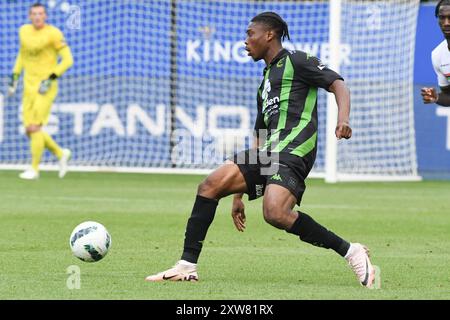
66 155
358 259
29 174
182 271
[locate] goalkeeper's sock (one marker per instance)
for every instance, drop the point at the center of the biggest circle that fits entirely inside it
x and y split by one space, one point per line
201 218
37 146
312 232
51 145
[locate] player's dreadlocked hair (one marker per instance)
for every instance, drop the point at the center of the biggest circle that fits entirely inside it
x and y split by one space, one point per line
438 6
274 22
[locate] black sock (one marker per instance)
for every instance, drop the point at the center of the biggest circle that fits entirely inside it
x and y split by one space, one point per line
201 217
310 231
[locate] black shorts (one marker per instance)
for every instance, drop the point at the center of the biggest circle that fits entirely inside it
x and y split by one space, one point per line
259 170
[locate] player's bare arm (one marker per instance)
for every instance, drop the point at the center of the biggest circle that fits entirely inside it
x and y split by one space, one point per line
238 208
342 94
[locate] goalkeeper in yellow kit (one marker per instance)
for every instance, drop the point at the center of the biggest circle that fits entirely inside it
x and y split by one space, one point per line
40 47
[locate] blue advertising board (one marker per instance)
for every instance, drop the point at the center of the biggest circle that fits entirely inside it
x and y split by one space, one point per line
116 100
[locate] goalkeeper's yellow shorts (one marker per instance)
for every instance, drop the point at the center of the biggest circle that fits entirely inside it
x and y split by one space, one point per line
37 107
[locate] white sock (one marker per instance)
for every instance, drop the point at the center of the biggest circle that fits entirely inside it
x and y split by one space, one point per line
187 263
350 251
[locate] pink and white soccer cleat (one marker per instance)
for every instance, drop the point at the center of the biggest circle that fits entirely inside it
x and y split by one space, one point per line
182 271
358 259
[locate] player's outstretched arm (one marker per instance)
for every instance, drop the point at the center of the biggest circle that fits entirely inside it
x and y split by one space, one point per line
430 95
342 95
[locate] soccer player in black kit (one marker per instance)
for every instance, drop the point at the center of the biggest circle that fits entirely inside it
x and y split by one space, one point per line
278 166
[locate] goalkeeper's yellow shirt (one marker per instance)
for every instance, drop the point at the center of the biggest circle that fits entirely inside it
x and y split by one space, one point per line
38 55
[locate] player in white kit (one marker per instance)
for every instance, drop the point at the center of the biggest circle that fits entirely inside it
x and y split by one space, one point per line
441 59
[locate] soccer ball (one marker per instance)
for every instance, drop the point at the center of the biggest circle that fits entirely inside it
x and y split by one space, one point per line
90 241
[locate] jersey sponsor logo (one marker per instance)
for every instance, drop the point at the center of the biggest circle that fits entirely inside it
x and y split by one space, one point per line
273 110
272 102
321 66
269 105
266 89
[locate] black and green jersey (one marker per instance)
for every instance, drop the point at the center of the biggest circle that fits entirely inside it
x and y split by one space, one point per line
287 102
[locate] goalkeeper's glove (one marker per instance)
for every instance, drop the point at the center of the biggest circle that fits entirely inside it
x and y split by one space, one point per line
45 84
12 84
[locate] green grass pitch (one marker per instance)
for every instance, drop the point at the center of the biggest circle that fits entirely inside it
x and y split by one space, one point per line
406 226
